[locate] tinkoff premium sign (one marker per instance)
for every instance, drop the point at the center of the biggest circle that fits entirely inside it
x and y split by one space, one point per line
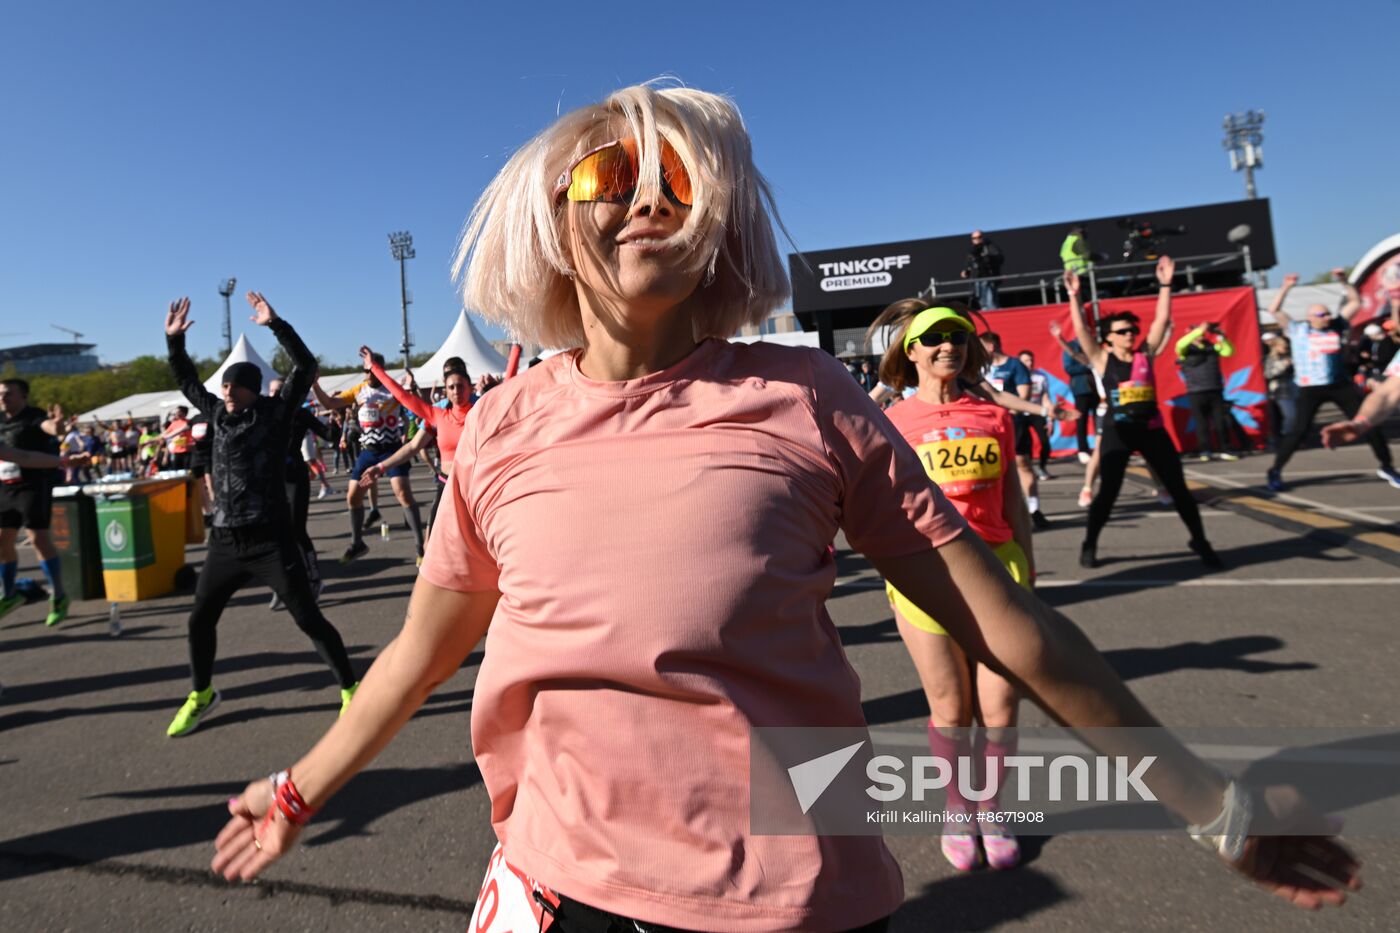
860 273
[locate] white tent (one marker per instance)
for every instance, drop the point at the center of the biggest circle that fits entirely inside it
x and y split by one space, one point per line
466 342
242 353
141 406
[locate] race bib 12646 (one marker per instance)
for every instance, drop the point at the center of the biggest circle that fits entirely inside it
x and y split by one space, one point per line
961 457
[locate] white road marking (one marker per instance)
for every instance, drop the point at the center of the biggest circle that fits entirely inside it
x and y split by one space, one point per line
1353 514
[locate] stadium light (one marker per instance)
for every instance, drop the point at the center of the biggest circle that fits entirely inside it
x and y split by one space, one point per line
1245 143
401 248
226 289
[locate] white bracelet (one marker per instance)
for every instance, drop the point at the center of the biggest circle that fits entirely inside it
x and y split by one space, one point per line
1227 833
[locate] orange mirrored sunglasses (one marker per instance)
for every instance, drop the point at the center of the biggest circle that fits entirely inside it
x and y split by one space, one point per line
609 173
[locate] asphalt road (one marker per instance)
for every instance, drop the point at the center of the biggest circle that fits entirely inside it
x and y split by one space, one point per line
109 825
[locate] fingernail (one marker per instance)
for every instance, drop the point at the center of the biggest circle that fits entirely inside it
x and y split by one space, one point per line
232 802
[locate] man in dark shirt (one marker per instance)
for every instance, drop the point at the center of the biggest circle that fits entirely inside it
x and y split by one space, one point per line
251 538
25 500
982 266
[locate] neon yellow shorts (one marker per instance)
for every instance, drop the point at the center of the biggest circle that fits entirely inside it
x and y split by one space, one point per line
1011 557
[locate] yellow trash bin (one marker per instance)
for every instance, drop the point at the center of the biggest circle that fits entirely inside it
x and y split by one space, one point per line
141 528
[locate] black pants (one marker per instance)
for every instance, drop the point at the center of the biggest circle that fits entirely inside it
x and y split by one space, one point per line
1025 426
437 501
574 917
267 555
1310 398
1208 409
1086 405
1118 443
299 498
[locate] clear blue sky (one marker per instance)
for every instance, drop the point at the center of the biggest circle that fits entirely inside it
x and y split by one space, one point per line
150 149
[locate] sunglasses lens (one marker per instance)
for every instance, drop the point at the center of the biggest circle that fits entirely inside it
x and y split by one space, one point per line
935 338
606 175
610 174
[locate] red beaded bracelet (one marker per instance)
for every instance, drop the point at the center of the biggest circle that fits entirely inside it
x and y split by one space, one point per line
289 799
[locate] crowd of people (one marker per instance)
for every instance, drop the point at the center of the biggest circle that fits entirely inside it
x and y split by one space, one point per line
657 470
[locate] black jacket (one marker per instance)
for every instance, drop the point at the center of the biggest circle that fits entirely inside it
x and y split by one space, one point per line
250 446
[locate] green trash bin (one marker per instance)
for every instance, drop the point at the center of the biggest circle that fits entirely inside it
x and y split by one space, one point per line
141 535
74 530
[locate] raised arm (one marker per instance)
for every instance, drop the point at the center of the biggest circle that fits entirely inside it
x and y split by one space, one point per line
410 400
1067 348
1353 303
441 628
1093 350
1161 319
1223 346
328 402
177 321
298 381
1276 306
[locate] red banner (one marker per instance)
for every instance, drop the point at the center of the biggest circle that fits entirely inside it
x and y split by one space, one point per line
1234 308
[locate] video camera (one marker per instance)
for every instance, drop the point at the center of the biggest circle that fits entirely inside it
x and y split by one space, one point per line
1145 240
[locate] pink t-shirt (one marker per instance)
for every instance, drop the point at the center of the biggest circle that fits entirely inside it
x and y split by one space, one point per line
660 545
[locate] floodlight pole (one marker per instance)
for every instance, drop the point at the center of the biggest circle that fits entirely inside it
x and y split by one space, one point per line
1245 143
401 248
226 289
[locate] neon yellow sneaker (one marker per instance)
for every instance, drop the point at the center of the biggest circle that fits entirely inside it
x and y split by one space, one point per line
10 603
58 611
196 707
347 695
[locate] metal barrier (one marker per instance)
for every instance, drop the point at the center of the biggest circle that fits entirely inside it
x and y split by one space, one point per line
1048 279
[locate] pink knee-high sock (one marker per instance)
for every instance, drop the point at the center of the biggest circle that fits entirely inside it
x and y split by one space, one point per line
954 745
993 755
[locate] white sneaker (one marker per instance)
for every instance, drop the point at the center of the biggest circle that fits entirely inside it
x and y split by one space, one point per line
1086 497
1085 458
325 491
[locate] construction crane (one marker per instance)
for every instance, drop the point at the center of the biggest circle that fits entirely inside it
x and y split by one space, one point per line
68 330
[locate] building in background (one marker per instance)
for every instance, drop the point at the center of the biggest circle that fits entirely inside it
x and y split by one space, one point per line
49 359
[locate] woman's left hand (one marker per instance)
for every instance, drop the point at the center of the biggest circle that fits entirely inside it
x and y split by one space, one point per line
1311 868
255 836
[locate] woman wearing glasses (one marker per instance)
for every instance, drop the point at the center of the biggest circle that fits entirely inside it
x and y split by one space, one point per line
967 446
1134 423
643 523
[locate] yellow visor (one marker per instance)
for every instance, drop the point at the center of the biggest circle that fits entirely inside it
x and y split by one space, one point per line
926 319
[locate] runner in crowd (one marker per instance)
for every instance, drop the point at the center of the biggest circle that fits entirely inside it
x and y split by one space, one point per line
71 443
1378 405
179 443
201 453
964 443
1008 374
1134 423
114 439
251 538
444 423
305 426
25 495
1282 389
1319 367
1083 385
1035 424
151 446
1198 354
133 446
382 431
656 465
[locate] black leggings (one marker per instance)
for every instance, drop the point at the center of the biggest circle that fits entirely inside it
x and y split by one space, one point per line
1086 405
269 557
299 498
572 916
1346 397
1118 443
1209 409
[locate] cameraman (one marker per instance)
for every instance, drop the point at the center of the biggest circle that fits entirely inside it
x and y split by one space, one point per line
983 264
1198 354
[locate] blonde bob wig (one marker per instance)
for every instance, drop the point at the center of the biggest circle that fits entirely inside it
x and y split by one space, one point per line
515 270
